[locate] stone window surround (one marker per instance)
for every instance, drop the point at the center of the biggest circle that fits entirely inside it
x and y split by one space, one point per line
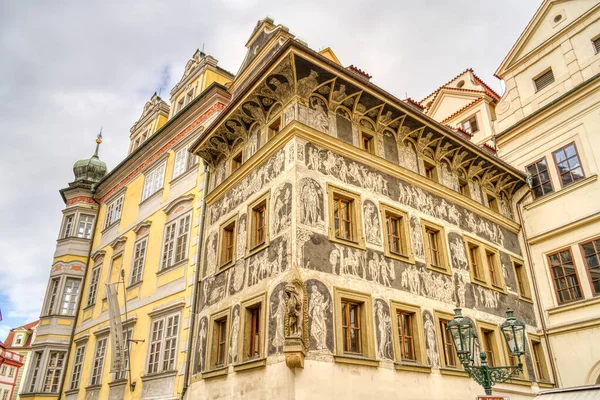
62 278
113 200
244 327
373 138
153 168
250 249
180 146
421 363
221 264
186 202
41 377
424 160
356 199
163 313
585 264
80 344
99 336
386 210
239 152
368 335
543 362
468 119
522 296
211 345
576 266
76 213
439 315
497 346
445 268
89 303
483 247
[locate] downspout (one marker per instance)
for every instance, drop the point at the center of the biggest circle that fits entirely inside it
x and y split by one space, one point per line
188 356
535 286
62 381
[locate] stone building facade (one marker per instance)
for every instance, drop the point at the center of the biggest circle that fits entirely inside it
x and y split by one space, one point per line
342 228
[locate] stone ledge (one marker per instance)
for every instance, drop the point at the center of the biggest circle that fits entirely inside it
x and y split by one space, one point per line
453 372
346 359
426 369
223 371
251 364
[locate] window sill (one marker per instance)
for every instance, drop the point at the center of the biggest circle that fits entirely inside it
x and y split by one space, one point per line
93 387
545 385
359 244
38 394
159 375
519 381
572 305
400 257
109 227
440 270
158 193
527 299
171 267
225 267
453 372
567 189
183 175
89 306
250 364
356 360
134 285
213 373
71 391
258 248
119 382
426 369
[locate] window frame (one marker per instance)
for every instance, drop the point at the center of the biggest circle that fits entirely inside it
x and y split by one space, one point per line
138 262
87 224
562 148
127 337
70 301
225 226
97 366
234 164
387 211
468 120
482 259
212 347
549 263
418 330
245 331
430 165
57 371
596 44
372 148
527 296
154 180
252 247
77 368
366 324
272 132
439 317
64 234
356 210
114 207
162 348
171 252
538 76
189 161
540 365
492 201
497 349
93 286
585 263
442 250
541 185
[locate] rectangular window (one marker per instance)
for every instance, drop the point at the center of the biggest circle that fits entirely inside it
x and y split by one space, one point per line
69 300
236 162
493 268
5 394
489 346
175 241
449 354
394 234
93 290
564 276
255 332
464 188
37 359
274 128
471 125
474 260
397 233
522 280
367 142
492 202
127 336
228 233
11 372
163 344
345 224
184 161
354 335
68 226
221 338
406 336
154 181
86 222
539 358
430 170
98 362
180 104
351 327
139 257
259 223
435 247
596 44
113 211
56 362
252 327
568 164
591 256
189 96
544 80
217 342
540 178
77 366
53 295
342 215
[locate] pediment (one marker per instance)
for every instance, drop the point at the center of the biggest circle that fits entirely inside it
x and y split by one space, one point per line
449 101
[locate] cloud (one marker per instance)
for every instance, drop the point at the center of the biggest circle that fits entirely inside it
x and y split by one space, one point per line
70 67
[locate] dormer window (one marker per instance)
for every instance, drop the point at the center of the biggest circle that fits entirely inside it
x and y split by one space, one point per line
19 340
471 125
543 80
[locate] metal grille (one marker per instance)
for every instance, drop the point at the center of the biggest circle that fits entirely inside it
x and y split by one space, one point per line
543 80
596 43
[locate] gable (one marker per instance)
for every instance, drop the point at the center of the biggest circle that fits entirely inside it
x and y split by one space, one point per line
329 54
448 103
552 17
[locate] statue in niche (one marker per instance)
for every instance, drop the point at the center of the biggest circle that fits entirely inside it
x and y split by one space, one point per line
428 326
307 84
296 324
372 226
294 311
319 305
318 117
278 312
201 343
384 327
312 203
253 141
235 330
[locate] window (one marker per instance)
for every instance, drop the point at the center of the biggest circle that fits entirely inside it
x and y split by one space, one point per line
69 300
258 234
367 142
11 372
449 358
514 361
493 268
127 336
139 256
189 96
492 202
568 165
113 211
68 226
354 335
219 332
77 366
475 261
252 327
136 143
522 280
471 125
488 343
406 335
53 295
463 187
342 215
37 359
86 222
93 291
236 162
227 243
5 394
596 44
564 276
430 170
163 344
56 362
540 178
435 247
274 128
539 358
98 362
180 104
397 234
175 241
591 256
3 370
345 225
484 265
154 181
543 80
184 161
19 339
254 333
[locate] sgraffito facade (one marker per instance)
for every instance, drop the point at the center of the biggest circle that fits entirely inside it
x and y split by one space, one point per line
343 226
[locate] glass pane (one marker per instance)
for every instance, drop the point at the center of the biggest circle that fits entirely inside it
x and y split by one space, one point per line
566 256
561 283
538 191
554 260
575 292
544 176
577 173
592 261
559 156
563 296
566 179
588 248
596 285
532 169
547 187
557 272
573 163
570 150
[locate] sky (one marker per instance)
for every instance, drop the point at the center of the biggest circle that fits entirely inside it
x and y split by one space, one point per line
68 68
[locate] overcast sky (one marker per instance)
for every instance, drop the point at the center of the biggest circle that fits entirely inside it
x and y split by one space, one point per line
69 67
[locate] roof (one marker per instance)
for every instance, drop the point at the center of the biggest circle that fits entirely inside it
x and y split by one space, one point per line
27 327
488 90
454 114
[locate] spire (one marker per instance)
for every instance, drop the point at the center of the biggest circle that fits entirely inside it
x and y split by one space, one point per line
98 141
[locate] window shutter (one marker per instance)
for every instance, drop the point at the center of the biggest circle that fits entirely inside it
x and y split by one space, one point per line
543 80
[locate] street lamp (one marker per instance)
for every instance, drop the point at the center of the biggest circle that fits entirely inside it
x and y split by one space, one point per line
463 337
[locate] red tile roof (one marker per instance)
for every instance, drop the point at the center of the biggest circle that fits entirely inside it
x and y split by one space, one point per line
360 71
28 327
414 103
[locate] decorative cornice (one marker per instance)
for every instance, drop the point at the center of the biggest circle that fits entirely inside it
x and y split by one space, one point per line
180 200
144 225
118 243
80 199
98 255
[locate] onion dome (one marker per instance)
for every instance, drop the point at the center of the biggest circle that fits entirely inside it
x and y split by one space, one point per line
90 169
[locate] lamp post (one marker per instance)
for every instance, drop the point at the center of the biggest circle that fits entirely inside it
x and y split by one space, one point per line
464 337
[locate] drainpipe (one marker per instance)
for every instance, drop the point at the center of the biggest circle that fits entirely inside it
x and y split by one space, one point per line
535 286
62 381
188 355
